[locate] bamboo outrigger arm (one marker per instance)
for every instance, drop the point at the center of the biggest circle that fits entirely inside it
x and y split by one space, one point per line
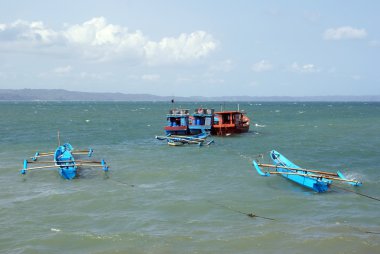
298 169
101 163
37 155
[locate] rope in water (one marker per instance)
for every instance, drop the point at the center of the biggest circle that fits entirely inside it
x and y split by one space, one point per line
120 182
364 231
360 194
251 215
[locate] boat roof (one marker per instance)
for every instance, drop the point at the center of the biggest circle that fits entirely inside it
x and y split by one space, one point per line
229 112
177 115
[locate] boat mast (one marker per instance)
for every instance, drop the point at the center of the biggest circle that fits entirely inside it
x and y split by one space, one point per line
59 140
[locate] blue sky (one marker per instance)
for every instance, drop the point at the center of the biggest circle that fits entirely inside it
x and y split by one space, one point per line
187 48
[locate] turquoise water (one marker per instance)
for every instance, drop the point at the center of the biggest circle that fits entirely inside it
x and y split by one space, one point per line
190 199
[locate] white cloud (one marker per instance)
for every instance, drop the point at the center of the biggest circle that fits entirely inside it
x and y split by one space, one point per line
30 32
305 68
262 66
223 66
63 69
98 41
344 32
374 43
95 76
95 32
184 48
150 77
215 81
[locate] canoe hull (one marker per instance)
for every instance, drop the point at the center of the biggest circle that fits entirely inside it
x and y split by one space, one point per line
69 172
316 184
65 161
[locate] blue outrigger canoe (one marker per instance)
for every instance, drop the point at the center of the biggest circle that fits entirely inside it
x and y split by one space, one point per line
63 159
318 181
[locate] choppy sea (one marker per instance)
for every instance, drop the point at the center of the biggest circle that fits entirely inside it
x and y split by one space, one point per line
190 199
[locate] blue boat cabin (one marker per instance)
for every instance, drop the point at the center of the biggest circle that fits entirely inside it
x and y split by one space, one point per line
177 122
201 121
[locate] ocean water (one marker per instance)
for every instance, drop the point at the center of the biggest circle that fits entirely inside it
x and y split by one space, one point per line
189 199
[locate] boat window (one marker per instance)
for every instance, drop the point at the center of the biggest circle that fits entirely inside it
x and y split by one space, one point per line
216 120
226 118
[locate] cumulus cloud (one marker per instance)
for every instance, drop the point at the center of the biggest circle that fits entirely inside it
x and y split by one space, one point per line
262 66
344 32
305 68
98 40
185 47
30 32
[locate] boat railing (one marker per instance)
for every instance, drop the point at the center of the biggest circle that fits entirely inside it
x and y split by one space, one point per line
204 111
178 111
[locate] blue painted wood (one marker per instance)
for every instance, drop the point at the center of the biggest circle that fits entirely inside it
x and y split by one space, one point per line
201 121
317 184
258 169
341 176
65 161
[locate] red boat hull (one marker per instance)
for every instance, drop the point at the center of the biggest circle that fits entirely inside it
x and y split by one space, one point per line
230 122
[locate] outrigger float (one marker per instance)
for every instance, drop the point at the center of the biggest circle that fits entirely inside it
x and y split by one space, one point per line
178 140
317 180
64 161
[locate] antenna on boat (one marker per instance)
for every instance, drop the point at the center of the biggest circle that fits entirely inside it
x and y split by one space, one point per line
238 107
59 140
172 103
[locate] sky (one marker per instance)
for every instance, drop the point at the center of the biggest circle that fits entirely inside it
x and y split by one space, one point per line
192 48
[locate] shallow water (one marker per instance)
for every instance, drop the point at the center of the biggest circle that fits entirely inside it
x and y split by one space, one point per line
190 199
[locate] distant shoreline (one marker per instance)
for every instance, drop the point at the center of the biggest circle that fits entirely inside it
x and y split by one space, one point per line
65 95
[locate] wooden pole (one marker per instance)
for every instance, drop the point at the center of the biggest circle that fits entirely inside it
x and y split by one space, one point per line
73 165
54 166
45 154
298 169
80 152
90 165
313 175
185 137
81 161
